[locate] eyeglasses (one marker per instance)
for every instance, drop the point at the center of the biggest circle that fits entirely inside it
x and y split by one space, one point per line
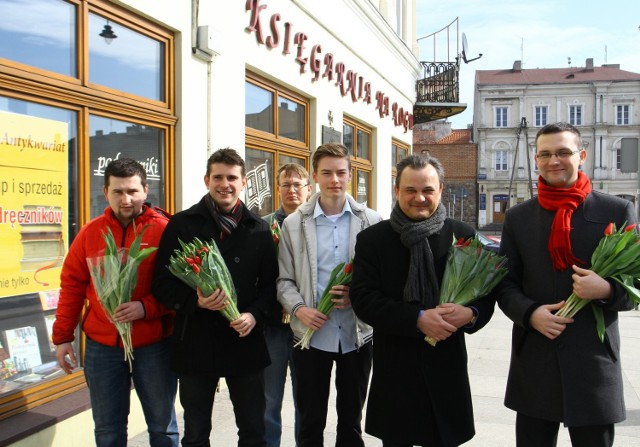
546 156
296 186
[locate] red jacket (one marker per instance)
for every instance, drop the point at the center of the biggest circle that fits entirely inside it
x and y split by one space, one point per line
76 286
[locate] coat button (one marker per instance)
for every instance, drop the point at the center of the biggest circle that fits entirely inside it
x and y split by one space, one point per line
236 260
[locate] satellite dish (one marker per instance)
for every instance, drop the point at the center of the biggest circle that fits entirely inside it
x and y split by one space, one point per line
465 50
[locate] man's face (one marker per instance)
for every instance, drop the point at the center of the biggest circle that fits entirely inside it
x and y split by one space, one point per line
294 191
333 177
126 196
225 183
419 192
557 171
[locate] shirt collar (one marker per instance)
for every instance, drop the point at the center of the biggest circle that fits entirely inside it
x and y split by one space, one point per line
317 211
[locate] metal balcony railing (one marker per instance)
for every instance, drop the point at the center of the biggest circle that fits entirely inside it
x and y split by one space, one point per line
440 83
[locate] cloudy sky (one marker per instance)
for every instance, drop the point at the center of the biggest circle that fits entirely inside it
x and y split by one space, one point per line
541 33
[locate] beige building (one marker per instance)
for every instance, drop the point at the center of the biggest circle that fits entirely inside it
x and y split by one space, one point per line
511 105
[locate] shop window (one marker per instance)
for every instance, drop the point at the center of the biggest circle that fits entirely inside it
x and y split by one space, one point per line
274 136
47 101
357 138
131 52
111 139
39 33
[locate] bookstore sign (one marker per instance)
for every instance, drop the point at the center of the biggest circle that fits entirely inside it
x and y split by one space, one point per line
33 203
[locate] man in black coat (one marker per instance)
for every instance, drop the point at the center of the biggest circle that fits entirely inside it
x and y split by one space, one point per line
419 394
205 345
560 370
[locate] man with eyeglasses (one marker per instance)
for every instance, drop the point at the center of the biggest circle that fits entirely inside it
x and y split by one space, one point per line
294 189
560 371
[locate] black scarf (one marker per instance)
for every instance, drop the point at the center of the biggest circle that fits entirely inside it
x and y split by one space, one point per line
422 282
226 221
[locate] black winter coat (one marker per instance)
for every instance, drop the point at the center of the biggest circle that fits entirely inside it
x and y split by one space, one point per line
575 378
418 393
203 341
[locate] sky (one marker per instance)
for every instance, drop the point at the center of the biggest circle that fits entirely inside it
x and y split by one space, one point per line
541 33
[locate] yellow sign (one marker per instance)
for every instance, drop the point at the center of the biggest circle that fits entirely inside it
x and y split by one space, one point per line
34 157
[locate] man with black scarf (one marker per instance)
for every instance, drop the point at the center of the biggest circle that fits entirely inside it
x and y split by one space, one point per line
419 394
205 345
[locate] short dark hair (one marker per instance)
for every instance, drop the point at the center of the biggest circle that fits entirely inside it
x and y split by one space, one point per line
125 167
227 156
330 150
557 128
419 161
292 168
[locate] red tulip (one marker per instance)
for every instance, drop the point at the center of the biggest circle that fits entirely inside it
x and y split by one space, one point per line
347 268
630 227
195 268
190 261
609 230
204 250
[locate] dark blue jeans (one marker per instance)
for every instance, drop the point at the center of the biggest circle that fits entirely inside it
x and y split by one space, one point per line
197 393
109 382
280 343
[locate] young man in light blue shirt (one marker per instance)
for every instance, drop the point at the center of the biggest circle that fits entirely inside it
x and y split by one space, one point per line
314 239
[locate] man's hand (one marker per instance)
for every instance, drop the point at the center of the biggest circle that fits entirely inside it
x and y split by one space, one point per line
544 321
432 323
460 315
62 351
245 324
128 312
340 297
218 300
310 317
588 285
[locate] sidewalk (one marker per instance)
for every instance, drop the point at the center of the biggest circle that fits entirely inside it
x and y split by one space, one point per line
488 366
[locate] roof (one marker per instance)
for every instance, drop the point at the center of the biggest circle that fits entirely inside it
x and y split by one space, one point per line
568 75
457 136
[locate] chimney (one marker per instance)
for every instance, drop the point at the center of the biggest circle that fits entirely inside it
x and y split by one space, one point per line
517 66
589 64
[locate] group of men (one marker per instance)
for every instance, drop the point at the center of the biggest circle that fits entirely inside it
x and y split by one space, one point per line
418 394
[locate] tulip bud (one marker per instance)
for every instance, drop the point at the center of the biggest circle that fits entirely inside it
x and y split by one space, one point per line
348 267
630 227
609 230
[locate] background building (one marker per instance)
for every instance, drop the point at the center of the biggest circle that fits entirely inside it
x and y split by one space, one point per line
511 105
83 82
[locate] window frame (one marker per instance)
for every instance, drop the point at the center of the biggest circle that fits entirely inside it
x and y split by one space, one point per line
501 160
272 142
501 116
359 164
625 119
575 114
538 111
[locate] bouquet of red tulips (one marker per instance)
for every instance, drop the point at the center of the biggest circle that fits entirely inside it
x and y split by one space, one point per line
200 265
114 276
340 276
615 257
471 273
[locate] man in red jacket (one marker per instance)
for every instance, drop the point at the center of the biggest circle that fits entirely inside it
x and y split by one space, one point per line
107 373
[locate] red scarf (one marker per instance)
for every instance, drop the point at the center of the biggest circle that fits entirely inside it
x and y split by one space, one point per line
563 201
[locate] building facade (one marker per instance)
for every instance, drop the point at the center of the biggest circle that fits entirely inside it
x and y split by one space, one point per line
83 82
511 105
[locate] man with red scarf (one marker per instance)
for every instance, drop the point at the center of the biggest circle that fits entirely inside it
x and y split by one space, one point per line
560 371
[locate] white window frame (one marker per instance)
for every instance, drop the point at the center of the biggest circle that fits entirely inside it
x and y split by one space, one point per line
626 118
537 119
570 114
501 160
502 120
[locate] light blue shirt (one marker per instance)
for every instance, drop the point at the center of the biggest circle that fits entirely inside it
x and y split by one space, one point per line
332 233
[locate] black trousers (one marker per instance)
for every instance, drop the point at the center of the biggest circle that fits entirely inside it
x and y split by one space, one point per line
534 432
313 373
197 393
